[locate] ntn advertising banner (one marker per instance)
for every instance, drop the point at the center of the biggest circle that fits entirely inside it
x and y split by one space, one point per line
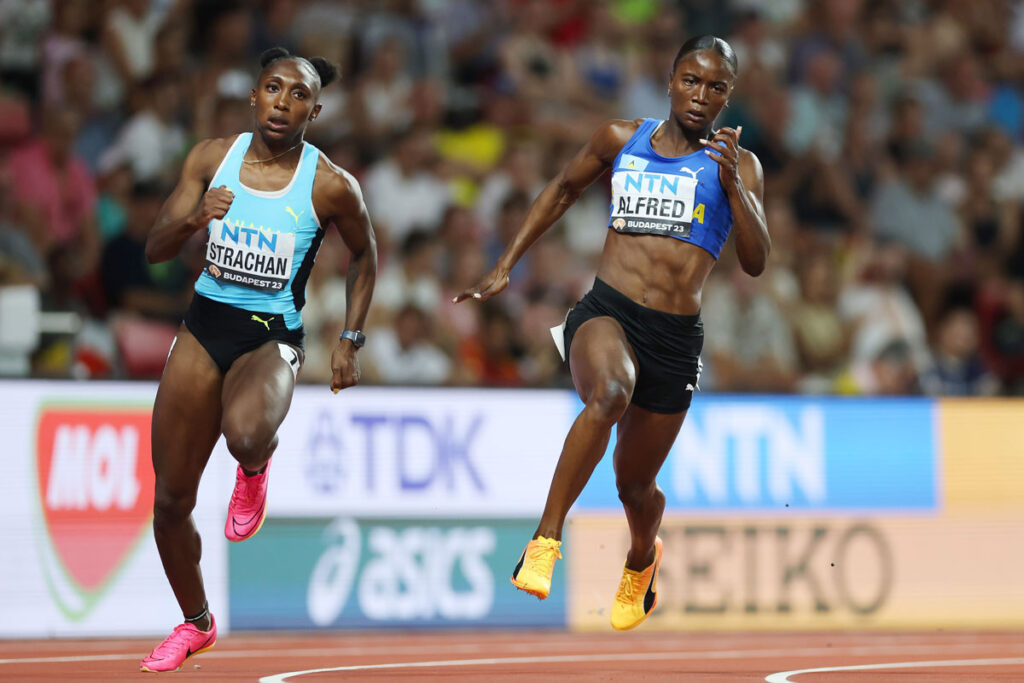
444 452
798 572
757 453
367 573
77 498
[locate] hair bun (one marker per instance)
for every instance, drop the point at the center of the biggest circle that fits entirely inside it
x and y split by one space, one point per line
273 54
327 71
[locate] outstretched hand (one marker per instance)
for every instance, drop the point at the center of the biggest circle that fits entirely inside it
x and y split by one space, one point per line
724 150
489 285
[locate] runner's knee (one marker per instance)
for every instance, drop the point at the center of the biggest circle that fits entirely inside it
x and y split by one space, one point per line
639 494
170 508
609 400
248 446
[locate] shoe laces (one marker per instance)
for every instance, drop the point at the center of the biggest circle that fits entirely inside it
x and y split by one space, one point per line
173 643
243 490
629 588
544 553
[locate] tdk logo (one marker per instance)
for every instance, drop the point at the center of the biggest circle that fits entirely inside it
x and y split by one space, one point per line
387 452
325 468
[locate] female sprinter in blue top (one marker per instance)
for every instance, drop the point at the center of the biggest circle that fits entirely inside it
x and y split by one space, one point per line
633 342
264 198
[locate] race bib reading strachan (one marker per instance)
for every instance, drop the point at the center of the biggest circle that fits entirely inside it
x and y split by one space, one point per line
250 256
653 203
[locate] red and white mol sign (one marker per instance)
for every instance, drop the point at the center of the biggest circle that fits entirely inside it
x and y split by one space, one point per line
95 477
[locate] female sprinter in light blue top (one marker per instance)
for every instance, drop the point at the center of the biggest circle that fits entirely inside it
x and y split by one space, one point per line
633 342
265 199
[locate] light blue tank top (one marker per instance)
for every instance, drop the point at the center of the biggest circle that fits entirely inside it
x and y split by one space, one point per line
678 197
259 256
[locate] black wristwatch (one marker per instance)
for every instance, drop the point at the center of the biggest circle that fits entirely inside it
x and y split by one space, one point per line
355 336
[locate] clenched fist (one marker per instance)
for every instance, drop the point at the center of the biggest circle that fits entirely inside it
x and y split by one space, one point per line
214 204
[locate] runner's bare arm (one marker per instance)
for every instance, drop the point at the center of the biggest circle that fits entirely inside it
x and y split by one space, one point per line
342 203
747 201
743 181
183 213
554 200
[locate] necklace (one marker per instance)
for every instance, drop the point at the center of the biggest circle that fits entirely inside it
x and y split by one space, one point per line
263 161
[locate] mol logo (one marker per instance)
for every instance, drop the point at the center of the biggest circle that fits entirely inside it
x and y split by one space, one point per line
96 490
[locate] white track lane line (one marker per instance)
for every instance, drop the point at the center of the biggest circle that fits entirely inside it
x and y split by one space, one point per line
784 676
626 657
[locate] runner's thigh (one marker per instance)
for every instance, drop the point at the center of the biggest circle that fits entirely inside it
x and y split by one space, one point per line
258 389
600 354
186 415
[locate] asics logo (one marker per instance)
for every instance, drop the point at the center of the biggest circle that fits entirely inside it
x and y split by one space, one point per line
293 214
266 323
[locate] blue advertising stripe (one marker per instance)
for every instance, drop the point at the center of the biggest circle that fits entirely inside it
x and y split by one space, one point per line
772 453
348 573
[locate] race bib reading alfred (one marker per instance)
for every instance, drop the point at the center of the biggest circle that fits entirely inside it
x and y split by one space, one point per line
653 203
250 256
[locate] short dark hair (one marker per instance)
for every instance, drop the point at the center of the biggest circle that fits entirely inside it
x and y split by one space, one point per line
325 70
708 42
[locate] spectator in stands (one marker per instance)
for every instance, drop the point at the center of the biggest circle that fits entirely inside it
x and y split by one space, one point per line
131 284
55 194
490 356
748 340
958 368
151 141
406 352
402 192
413 280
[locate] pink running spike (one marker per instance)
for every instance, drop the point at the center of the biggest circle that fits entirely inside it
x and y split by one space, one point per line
248 506
185 641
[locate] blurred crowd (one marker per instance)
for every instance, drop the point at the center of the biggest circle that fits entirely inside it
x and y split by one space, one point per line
891 133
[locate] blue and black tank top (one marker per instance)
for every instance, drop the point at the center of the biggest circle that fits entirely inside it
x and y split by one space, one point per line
679 197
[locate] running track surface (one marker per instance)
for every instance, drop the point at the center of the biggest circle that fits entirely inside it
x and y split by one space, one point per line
847 657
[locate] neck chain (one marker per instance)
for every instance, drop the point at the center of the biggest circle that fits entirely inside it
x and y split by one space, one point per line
263 161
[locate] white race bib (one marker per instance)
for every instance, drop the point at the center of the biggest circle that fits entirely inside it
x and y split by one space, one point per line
250 256
653 203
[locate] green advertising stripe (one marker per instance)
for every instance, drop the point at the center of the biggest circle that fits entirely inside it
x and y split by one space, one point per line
345 572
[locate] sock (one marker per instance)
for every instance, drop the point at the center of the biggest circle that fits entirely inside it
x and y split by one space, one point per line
200 616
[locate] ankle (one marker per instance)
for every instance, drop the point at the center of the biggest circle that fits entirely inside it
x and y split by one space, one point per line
640 560
253 473
202 621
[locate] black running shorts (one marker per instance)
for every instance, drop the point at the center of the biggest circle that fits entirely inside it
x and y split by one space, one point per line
667 346
227 332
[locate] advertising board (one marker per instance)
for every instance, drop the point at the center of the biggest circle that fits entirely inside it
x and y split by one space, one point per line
444 452
368 573
77 497
801 572
764 454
